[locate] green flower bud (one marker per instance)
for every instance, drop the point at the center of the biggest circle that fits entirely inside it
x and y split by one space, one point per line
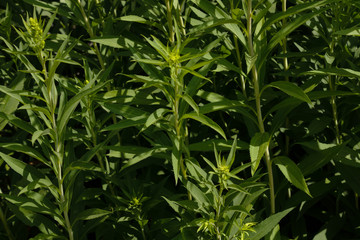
35 31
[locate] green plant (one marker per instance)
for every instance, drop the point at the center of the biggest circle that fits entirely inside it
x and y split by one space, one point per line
120 124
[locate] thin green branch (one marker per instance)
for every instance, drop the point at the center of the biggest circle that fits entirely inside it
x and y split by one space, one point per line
169 20
6 226
258 106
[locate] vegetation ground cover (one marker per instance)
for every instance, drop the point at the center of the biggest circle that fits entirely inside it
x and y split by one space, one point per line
179 119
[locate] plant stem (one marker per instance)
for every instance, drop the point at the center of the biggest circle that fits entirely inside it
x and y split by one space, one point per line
177 124
238 56
181 21
91 33
63 204
169 19
218 211
6 226
92 117
258 107
286 68
332 87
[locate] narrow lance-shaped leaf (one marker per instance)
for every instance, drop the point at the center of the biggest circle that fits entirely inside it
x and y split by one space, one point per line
292 11
290 89
154 117
344 72
231 157
258 145
292 173
285 31
71 105
159 47
91 213
204 120
267 225
176 158
216 12
32 152
27 171
191 102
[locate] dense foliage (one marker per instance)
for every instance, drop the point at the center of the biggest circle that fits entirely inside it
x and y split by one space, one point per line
180 119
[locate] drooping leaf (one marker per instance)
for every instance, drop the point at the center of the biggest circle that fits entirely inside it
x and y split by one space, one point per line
204 120
191 102
290 89
91 213
154 117
25 149
258 144
220 144
71 105
292 173
27 171
318 159
231 156
267 225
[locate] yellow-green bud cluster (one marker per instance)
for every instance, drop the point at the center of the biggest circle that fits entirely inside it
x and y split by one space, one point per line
36 34
223 172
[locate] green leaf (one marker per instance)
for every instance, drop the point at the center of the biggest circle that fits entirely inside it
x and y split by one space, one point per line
231 156
220 144
204 120
27 171
154 117
124 124
290 89
344 72
9 104
152 61
292 173
217 13
353 31
199 195
32 205
30 218
40 133
258 144
18 122
350 174
27 150
318 159
132 18
267 225
250 61
71 105
191 102
159 47
114 41
176 157
298 8
196 74
90 214
83 166
142 156
211 23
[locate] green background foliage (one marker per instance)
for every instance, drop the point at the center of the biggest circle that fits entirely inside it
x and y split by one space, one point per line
179 119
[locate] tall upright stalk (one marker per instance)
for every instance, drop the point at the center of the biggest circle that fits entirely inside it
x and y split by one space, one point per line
238 56
59 159
256 86
91 114
169 20
5 225
332 87
286 68
89 29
